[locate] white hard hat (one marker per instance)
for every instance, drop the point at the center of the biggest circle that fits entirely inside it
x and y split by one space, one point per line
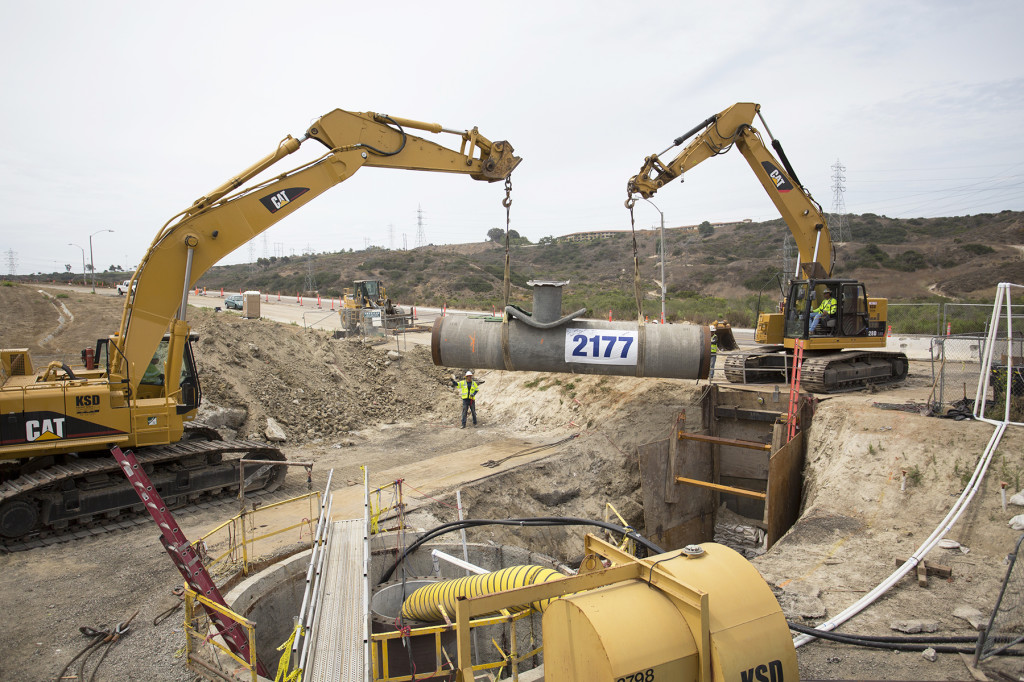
469 373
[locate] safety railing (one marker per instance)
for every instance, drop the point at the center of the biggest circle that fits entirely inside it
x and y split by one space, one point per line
444 665
301 640
627 544
241 542
200 636
383 502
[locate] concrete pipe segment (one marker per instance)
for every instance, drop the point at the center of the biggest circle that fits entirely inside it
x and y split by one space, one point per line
542 342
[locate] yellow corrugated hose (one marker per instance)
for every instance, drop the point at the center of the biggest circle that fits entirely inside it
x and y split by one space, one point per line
423 603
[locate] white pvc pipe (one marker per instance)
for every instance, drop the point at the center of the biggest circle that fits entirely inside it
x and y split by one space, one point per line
1002 293
910 564
965 497
438 554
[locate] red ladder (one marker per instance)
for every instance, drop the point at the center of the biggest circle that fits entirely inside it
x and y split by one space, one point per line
794 389
187 559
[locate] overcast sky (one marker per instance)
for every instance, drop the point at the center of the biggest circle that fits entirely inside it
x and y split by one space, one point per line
117 115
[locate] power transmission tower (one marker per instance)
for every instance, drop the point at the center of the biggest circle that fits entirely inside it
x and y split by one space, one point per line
266 253
12 262
252 258
839 225
391 237
279 249
788 265
310 283
421 234
405 242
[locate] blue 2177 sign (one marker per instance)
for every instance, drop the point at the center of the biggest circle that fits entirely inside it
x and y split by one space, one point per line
600 346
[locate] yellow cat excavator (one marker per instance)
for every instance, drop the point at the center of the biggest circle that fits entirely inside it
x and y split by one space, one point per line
839 350
139 387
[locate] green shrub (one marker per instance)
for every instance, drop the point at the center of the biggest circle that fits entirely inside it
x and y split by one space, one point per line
475 284
908 261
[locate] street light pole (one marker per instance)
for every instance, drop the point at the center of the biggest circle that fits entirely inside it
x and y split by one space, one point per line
92 263
662 258
83 262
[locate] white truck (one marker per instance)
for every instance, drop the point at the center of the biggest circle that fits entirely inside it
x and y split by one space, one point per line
122 288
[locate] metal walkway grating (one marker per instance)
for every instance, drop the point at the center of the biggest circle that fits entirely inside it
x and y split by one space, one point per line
338 629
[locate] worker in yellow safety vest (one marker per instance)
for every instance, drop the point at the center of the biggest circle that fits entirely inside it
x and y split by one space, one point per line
714 354
827 307
467 391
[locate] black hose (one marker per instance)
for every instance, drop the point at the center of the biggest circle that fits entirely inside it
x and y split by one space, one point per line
381 152
785 161
895 643
542 521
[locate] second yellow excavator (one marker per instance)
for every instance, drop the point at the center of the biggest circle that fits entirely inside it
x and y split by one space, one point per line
843 330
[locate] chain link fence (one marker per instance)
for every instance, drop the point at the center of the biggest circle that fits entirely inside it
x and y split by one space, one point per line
915 318
956 369
956 366
969 318
957 335
1006 625
942 319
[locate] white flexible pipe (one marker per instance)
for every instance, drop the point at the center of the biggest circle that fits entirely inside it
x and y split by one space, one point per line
961 504
438 554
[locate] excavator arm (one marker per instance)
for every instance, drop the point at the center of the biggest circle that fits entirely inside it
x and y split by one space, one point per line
717 135
232 214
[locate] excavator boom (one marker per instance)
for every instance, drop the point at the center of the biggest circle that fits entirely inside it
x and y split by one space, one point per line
717 135
857 322
230 215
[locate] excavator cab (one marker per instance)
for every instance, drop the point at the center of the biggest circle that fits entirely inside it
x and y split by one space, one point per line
368 292
187 388
852 317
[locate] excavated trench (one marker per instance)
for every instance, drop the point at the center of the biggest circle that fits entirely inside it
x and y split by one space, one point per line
728 445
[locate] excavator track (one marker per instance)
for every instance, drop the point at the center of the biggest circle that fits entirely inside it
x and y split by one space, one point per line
852 370
826 373
92 492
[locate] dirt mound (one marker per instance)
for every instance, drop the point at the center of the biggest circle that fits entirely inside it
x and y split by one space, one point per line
317 387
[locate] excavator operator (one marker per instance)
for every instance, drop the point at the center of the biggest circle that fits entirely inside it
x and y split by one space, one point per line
827 308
